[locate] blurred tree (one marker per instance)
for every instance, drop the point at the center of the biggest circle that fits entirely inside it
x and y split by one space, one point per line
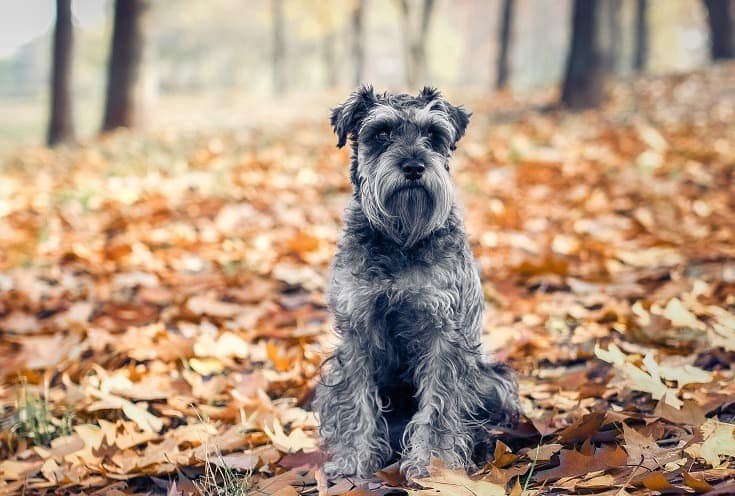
414 40
719 15
612 50
583 85
640 55
506 26
330 58
325 12
61 122
125 68
358 40
279 47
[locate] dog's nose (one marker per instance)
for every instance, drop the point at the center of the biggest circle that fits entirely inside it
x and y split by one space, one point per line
413 169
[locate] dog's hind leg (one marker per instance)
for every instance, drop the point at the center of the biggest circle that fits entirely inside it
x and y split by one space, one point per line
499 391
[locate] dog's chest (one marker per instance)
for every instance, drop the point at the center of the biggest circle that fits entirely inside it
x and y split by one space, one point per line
419 299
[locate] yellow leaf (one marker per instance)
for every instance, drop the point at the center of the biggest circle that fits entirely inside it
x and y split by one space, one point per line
297 440
140 415
650 381
14 470
719 440
206 366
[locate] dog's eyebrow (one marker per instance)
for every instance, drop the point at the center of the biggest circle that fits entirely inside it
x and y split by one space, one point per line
429 116
382 114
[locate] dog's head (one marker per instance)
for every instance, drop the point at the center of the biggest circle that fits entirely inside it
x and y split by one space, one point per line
402 145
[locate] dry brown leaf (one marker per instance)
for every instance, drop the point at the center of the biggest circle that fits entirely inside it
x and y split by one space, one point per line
456 483
140 415
573 463
291 443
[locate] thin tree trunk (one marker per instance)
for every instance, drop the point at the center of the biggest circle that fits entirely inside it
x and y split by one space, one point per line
125 68
279 48
719 15
583 85
613 27
415 41
506 27
358 40
426 15
330 58
61 121
640 59
408 54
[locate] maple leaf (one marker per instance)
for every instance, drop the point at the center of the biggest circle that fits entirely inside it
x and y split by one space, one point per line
644 451
573 463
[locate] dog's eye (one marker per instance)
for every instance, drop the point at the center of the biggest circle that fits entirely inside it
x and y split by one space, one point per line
434 136
383 135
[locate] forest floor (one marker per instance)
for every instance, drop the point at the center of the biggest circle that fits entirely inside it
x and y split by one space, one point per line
162 313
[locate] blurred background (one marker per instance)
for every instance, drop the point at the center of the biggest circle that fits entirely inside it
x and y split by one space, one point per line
231 63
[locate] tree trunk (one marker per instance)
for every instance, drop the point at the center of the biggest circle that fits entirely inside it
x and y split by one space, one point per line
420 48
613 28
358 40
641 36
415 41
719 15
504 44
61 122
583 85
124 107
279 48
409 61
330 58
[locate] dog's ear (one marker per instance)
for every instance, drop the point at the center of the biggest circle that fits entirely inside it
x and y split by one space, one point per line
429 94
347 117
459 118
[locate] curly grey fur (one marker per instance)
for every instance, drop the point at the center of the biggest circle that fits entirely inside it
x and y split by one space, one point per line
409 376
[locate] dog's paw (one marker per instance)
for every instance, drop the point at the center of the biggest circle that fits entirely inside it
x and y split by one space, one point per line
414 469
349 466
513 413
335 469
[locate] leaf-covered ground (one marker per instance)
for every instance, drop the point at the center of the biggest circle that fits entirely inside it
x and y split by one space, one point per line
162 316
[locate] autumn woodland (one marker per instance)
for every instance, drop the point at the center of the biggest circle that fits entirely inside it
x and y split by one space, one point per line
171 197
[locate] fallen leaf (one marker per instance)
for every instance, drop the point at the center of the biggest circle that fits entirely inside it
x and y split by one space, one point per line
145 420
656 481
573 463
644 451
16 470
291 443
719 440
700 486
456 483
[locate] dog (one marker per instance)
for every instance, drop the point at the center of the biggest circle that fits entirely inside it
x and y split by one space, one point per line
409 376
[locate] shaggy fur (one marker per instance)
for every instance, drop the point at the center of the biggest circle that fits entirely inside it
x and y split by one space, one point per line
409 376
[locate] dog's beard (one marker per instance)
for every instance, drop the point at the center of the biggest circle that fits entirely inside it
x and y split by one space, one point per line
407 211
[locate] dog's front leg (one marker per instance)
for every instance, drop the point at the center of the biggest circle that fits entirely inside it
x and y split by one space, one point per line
446 400
352 426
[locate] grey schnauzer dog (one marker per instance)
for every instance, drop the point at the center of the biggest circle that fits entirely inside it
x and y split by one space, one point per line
409 376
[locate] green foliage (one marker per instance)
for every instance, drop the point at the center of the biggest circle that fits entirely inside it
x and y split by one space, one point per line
219 479
34 420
